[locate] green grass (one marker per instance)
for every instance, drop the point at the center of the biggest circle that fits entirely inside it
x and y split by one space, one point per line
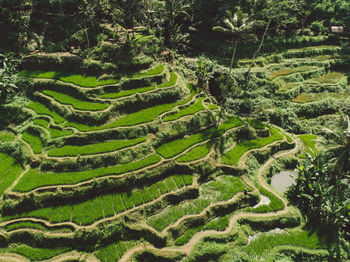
179 181
83 213
127 92
76 103
79 80
288 86
262 246
104 147
32 253
232 157
212 107
171 183
9 172
34 179
33 141
128 201
6 136
188 179
108 205
43 110
310 145
136 196
256 123
155 71
142 116
275 203
172 81
184 238
118 203
190 110
177 146
331 78
196 153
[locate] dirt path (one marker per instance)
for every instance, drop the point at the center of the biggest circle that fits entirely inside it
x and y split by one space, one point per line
186 249
10 257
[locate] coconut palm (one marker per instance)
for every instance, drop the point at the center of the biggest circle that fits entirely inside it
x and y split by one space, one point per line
237 25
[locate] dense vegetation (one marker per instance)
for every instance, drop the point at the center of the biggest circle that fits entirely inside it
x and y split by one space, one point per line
151 130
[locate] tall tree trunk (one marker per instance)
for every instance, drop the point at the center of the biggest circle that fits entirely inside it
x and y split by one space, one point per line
258 50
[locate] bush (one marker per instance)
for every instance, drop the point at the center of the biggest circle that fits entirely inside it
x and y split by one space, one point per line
318 28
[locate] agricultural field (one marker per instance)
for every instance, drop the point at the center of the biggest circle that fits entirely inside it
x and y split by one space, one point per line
151 159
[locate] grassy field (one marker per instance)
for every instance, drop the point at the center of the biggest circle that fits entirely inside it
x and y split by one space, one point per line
288 71
53 132
262 246
104 147
79 80
6 136
9 172
310 145
177 146
172 81
32 225
76 103
34 178
232 157
190 110
331 78
33 141
154 71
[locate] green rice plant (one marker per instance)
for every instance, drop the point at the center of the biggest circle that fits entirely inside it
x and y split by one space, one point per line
108 253
177 146
331 78
127 92
169 181
43 213
287 86
184 238
136 196
20 225
219 223
162 187
127 199
304 98
288 71
232 157
83 213
196 153
97 207
43 110
76 103
10 170
255 123
262 245
121 248
33 141
179 181
6 136
190 110
34 179
79 80
310 145
212 107
59 133
118 203
65 214
221 189
172 81
188 179
41 122
104 147
155 71
33 253
108 205
146 195
139 117
154 191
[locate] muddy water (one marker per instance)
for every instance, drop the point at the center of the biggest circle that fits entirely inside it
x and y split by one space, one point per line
284 179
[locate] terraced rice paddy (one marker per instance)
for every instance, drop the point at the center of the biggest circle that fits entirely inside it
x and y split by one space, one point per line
158 175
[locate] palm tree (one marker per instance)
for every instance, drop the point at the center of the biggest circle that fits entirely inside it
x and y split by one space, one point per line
238 25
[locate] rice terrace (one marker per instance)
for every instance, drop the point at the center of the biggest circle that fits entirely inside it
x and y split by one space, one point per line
175 130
